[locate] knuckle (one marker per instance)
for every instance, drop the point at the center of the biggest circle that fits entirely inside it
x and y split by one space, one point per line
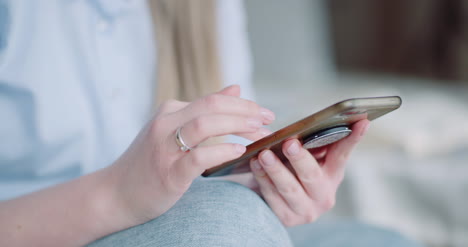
301 156
254 107
312 177
163 108
274 170
199 125
288 220
328 203
157 126
213 102
167 105
339 177
268 188
310 217
288 189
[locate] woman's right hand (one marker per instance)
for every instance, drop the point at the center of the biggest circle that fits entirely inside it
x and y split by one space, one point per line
154 173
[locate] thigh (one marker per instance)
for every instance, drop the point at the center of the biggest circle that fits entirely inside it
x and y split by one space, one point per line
211 213
347 234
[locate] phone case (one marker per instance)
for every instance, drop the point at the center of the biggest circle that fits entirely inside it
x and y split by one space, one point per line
343 113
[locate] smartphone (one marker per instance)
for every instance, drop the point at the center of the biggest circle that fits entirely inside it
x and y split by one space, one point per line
319 129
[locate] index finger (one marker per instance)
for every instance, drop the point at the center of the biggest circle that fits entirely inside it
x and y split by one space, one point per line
219 103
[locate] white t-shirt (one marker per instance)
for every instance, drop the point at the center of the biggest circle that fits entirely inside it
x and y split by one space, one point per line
77 83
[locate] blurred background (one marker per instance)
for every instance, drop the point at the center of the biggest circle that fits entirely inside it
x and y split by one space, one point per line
411 171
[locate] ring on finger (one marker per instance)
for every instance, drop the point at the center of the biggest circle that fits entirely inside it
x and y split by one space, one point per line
181 143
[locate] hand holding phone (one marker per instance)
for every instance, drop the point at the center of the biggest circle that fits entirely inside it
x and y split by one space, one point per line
297 184
322 128
303 187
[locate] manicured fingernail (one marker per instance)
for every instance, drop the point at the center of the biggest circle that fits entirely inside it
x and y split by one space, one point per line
240 148
256 165
268 158
364 131
267 114
265 132
254 123
293 149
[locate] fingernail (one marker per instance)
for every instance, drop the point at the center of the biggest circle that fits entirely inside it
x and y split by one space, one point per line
265 132
293 149
364 131
254 123
240 148
257 168
267 114
256 165
268 158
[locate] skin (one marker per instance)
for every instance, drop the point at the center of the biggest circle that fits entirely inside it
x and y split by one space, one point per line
301 190
153 174
303 198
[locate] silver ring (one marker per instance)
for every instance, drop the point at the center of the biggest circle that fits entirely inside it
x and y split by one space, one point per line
180 142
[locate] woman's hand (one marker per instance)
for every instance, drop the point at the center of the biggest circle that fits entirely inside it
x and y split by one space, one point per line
154 173
143 183
301 193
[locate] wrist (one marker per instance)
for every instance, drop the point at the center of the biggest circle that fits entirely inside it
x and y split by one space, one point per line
108 202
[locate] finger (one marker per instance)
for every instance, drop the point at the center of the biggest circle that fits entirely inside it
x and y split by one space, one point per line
218 103
307 169
319 187
257 135
234 90
285 182
205 126
338 152
268 190
195 162
172 105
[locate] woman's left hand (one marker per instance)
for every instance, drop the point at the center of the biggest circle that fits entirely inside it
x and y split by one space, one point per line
302 197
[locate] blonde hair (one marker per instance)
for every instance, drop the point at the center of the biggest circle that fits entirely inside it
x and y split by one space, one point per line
187 49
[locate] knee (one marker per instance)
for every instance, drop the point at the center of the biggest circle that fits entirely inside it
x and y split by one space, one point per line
220 211
223 199
211 213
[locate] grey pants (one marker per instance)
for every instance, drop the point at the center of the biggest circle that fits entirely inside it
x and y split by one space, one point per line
219 213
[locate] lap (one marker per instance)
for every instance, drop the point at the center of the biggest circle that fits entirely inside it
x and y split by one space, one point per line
211 213
221 213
